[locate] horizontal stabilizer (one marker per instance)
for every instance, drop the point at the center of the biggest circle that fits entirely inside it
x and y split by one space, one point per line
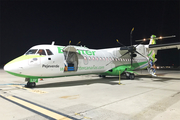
164 46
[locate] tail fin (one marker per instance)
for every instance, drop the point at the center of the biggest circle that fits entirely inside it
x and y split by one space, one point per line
152 40
152 53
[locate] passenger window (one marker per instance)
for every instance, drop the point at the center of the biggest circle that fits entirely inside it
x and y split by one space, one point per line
109 59
106 58
49 52
41 52
89 58
31 51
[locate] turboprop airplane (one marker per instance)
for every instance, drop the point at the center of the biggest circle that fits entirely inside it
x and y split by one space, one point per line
49 61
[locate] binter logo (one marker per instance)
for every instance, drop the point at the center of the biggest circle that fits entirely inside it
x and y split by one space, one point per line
60 49
81 52
86 52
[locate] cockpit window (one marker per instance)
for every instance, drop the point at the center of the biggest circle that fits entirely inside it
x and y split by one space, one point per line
41 52
31 51
49 52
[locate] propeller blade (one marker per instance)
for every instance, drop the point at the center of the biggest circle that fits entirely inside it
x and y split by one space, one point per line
119 42
78 43
124 54
131 35
131 58
140 54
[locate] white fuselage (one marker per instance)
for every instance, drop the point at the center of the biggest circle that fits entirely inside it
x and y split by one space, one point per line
69 60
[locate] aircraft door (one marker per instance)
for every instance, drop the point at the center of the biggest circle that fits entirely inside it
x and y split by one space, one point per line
70 58
70 61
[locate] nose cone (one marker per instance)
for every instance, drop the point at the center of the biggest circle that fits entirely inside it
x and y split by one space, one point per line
15 67
7 67
24 66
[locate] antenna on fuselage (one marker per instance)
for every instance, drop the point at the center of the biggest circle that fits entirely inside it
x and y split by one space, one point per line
52 43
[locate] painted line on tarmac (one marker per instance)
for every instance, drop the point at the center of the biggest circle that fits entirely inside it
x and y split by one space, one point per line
12 84
31 90
43 111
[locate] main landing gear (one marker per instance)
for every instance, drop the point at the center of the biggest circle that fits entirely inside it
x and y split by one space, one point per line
30 84
130 76
103 76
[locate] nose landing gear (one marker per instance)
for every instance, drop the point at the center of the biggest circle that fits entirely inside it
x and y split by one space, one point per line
30 85
31 82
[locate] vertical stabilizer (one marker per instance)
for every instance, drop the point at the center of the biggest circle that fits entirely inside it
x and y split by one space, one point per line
152 40
152 53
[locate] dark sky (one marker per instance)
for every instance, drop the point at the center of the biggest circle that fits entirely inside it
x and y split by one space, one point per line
97 24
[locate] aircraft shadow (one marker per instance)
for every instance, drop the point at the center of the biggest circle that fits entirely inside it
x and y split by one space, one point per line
107 80
159 78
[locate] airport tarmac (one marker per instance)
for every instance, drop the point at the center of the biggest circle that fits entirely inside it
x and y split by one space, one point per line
89 97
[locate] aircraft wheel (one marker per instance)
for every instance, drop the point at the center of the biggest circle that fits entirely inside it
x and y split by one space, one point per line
33 84
132 76
30 84
103 76
127 76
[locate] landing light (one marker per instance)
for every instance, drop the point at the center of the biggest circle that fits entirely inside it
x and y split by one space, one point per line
160 37
144 39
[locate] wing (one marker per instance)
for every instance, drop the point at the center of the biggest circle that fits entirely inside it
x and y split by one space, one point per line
164 46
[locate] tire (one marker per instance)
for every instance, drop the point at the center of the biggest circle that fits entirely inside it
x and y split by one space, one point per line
103 76
31 85
132 76
127 75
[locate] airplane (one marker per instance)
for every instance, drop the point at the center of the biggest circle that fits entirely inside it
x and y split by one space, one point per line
50 61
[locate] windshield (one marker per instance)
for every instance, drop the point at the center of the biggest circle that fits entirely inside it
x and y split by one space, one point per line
41 52
49 52
31 51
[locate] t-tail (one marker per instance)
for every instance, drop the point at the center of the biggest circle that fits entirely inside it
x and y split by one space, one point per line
152 53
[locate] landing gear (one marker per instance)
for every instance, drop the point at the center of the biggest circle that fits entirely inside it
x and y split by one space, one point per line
103 76
130 76
30 84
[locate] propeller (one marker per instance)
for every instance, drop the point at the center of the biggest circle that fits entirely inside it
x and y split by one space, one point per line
130 49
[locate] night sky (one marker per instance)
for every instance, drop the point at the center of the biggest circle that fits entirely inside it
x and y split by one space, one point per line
97 24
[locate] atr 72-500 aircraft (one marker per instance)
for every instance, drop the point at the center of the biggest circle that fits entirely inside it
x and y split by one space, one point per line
49 61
